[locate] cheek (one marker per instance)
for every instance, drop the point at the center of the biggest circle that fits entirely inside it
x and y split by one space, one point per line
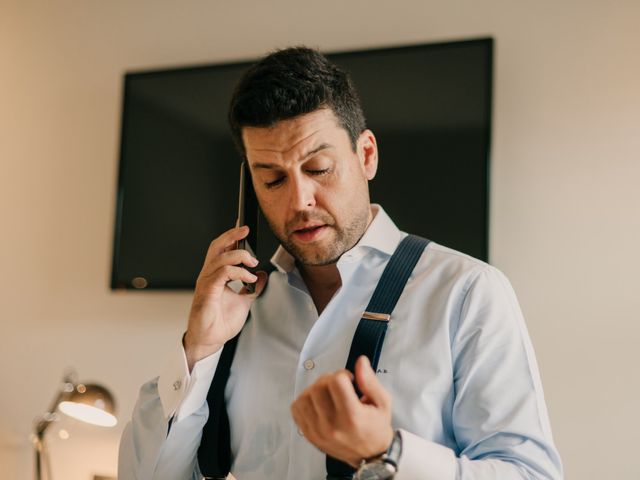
274 212
350 189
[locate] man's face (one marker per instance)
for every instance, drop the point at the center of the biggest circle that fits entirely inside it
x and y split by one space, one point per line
311 185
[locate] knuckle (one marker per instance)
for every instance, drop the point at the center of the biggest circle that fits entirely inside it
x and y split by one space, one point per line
227 270
216 244
226 257
301 398
342 377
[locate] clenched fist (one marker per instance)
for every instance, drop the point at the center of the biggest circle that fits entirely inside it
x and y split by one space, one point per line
333 418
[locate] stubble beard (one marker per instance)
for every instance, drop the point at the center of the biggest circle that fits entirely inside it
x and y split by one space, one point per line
328 250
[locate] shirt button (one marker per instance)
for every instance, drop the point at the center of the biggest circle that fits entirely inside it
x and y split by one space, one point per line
177 384
309 364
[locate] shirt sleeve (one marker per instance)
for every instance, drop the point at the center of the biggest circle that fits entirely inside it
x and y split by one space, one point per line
499 417
182 393
148 448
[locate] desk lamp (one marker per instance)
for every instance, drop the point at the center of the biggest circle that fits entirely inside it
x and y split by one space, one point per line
88 403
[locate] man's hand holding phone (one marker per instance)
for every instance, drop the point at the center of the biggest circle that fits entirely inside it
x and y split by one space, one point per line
218 313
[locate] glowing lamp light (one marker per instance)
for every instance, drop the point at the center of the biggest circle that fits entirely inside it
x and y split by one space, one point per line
89 403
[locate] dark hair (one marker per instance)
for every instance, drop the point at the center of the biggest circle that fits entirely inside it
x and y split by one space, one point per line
291 82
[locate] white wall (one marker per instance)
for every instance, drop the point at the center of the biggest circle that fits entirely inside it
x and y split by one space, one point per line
565 223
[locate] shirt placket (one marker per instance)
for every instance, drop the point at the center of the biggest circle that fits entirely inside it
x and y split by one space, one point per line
304 458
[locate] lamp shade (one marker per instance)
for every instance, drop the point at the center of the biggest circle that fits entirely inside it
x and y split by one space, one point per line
90 403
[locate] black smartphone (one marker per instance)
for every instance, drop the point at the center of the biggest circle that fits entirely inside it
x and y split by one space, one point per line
248 215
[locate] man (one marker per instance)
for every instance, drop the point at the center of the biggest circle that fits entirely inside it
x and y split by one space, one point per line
457 385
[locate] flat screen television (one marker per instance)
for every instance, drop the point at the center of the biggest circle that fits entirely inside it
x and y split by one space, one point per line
428 105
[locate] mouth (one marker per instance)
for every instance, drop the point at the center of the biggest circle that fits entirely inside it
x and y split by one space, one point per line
309 233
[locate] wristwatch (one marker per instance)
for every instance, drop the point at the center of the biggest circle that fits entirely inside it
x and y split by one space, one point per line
385 466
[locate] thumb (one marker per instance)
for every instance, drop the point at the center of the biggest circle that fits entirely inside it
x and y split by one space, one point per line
261 282
369 384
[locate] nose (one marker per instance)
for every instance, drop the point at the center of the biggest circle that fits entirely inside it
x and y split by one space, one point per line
302 195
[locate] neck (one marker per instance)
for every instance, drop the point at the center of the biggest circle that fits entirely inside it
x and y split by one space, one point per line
322 282
325 277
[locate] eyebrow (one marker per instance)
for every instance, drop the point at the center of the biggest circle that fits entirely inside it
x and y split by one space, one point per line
269 166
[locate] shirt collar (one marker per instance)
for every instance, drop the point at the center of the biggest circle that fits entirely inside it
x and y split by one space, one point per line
382 235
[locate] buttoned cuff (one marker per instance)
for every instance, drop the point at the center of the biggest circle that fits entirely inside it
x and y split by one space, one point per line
426 460
181 393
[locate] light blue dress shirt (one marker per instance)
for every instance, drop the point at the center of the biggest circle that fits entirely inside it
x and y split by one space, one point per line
457 361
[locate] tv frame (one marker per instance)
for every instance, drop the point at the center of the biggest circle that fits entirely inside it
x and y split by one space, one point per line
488 42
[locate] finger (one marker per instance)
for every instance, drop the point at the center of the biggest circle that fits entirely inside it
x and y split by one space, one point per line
213 274
323 406
369 384
261 283
207 282
234 257
343 394
226 241
303 415
297 418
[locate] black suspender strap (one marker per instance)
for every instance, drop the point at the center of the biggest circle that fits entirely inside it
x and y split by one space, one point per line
214 453
372 328
370 333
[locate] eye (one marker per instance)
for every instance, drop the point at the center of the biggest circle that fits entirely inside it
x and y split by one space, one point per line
319 172
274 183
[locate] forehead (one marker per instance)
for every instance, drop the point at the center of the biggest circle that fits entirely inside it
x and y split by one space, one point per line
291 136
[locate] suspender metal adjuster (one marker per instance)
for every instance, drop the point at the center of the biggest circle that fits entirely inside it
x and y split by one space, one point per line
381 317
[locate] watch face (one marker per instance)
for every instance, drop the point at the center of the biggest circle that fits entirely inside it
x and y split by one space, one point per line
376 471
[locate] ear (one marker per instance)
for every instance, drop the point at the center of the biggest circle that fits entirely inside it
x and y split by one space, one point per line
367 150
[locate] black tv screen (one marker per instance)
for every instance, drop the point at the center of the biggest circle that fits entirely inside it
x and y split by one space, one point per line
428 105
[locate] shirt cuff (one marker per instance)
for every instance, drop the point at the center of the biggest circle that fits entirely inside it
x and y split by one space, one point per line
181 393
426 460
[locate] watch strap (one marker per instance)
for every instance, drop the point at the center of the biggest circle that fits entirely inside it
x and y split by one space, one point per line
394 452
391 458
